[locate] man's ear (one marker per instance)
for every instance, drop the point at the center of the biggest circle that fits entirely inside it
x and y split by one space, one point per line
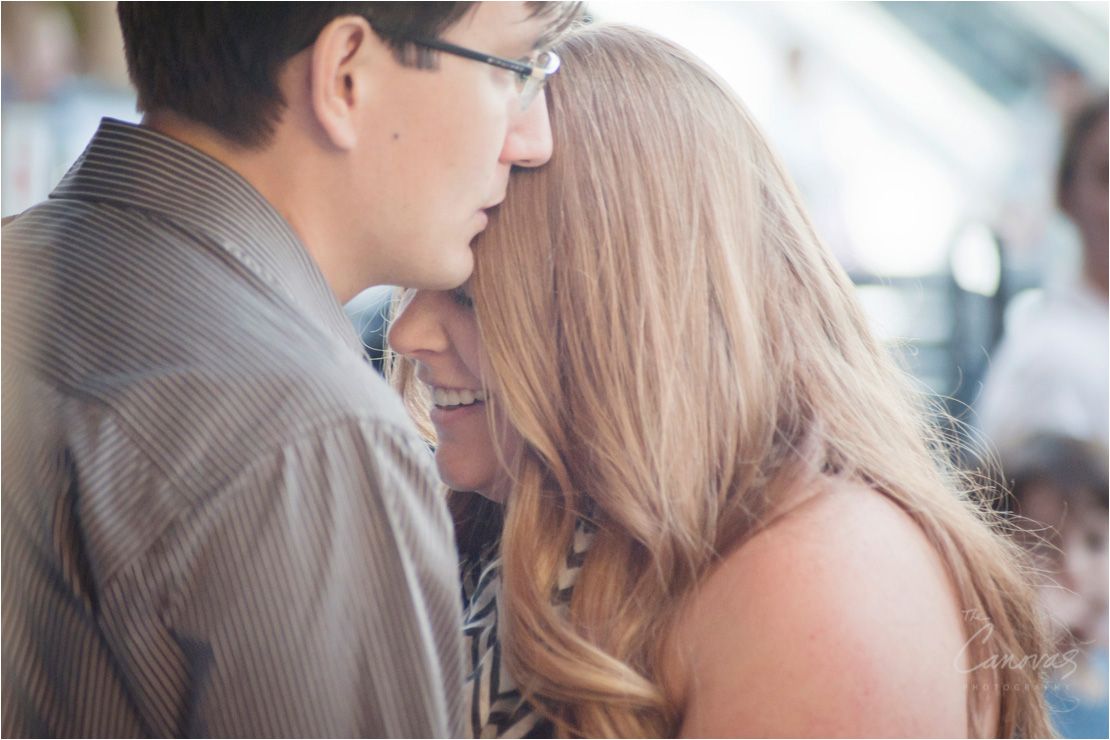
339 81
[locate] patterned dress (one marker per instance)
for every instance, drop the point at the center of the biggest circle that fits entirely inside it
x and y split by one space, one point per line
496 708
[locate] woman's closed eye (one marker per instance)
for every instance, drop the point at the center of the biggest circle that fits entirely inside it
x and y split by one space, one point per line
460 297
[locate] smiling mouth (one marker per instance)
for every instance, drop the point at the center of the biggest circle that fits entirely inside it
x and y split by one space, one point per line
453 399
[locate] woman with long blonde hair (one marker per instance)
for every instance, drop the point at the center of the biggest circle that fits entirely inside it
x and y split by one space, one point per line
708 502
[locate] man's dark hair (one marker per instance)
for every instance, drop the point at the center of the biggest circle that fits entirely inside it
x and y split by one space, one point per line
217 63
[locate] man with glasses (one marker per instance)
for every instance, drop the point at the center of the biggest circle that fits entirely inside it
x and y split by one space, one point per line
217 518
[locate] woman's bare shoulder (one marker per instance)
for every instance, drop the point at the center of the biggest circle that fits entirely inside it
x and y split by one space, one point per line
838 620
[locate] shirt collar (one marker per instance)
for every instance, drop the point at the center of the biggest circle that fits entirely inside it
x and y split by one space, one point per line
136 167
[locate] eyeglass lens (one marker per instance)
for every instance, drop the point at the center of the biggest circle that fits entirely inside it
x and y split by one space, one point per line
543 67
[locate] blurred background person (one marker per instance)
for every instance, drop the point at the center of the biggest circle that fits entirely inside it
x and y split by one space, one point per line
1051 372
63 69
1058 498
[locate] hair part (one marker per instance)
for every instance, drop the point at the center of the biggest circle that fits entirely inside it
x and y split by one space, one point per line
217 63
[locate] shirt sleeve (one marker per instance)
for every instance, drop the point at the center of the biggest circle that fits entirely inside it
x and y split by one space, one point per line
1047 377
317 595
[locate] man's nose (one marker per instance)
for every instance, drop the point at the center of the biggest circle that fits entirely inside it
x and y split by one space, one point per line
528 141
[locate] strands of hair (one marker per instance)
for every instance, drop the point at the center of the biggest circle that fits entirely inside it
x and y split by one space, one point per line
678 351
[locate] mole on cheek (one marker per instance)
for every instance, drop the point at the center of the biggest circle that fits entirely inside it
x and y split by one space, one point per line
396 136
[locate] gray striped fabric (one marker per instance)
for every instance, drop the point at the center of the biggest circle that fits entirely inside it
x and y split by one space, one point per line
217 518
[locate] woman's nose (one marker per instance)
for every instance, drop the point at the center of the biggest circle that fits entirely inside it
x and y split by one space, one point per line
416 329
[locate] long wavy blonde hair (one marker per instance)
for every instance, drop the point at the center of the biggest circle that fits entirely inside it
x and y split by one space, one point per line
675 346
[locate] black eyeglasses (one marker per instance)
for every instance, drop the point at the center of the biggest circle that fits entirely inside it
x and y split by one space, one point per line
531 75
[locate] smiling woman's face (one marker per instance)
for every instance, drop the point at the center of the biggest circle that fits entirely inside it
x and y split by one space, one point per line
438 331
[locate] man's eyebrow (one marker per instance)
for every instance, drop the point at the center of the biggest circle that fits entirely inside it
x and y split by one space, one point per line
524 46
545 40
550 35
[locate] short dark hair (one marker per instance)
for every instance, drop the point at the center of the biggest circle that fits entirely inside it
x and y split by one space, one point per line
1078 468
217 63
1075 136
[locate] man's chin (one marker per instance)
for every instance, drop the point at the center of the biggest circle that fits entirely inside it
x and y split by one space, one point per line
449 279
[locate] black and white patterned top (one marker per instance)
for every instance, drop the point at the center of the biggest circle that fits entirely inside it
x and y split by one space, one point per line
218 520
496 708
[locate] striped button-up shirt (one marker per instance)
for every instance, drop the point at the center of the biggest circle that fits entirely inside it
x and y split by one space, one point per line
217 519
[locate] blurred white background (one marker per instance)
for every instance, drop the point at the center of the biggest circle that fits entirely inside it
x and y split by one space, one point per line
924 136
